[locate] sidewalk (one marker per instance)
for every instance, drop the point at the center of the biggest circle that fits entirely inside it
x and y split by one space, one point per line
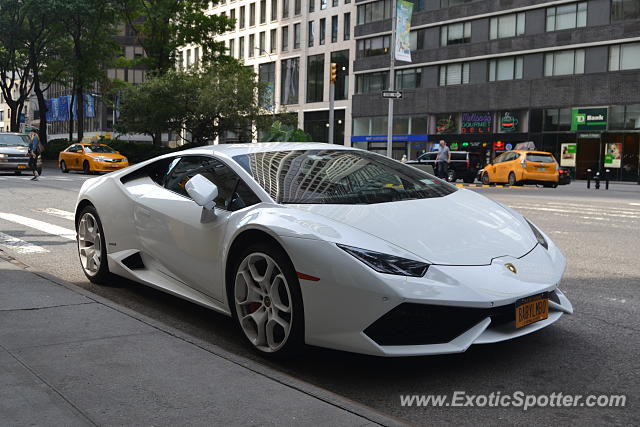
70 358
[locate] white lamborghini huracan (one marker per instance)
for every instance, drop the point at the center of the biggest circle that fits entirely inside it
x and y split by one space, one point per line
323 245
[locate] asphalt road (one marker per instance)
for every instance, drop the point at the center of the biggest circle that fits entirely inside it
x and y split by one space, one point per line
594 351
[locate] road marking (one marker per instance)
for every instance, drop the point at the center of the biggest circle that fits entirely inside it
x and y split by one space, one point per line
20 246
576 211
634 204
58 212
65 233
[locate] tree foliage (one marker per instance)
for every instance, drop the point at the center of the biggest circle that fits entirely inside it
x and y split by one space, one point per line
204 103
162 26
280 132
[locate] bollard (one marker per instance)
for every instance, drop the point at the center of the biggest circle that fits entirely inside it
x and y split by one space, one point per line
606 183
596 179
588 178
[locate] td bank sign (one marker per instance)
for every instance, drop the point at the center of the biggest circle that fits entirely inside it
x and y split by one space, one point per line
586 119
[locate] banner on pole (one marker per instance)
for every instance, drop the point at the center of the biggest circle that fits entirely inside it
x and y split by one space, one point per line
404 9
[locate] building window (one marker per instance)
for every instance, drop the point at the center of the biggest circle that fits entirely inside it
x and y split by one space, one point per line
232 16
449 3
374 11
243 16
274 10
334 29
252 45
285 39
454 74
346 26
273 41
624 57
262 42
625 9
241 48
267 76
312 6
341 59
503 26
455 34
252 14
564 62
509 68
232 47
296 36
310 33
315 78
567 16
323 4
409 78
189 58
374 46
289 81
334 3
285 8
372 82
263 11
417 39
297 7
323 30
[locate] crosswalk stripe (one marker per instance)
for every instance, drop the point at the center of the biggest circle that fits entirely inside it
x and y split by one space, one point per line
58 212
19 245
575 211
65 233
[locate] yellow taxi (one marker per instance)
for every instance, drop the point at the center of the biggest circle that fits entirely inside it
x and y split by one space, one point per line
522 167
91 158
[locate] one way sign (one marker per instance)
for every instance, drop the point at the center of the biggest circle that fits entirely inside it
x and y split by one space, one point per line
396 94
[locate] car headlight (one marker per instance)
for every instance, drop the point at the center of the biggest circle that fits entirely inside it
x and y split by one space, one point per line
384 263
539 237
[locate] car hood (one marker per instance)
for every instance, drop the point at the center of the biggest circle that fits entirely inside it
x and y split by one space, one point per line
105 155
13 149
463 228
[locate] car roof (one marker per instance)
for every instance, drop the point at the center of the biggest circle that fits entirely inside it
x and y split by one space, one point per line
531 152
232 150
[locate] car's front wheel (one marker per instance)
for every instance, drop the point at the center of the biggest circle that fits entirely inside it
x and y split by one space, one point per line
91 246
86 168
267 300
485 179
63 167
512 179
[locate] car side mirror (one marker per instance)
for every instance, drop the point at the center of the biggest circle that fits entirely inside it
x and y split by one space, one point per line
202 191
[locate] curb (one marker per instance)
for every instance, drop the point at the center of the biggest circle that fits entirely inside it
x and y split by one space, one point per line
311 390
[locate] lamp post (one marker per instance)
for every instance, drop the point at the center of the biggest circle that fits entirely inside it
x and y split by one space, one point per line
392 80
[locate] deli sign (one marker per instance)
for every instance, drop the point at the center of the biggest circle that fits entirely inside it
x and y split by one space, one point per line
586 119
476 122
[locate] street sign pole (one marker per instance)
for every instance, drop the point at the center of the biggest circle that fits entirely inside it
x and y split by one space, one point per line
333 70
392 80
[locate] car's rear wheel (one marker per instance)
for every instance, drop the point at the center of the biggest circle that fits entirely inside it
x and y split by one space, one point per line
63 167
468 180
451 175
91 246
512 179
485 179
18 172
86 168
267 300
554 185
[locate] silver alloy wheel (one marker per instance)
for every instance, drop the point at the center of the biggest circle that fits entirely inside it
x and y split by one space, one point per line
89 244
263 302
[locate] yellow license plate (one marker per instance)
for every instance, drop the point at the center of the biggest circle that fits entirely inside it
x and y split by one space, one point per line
532 309
22 166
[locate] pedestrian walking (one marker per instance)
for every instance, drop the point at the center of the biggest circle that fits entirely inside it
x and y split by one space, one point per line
442 160
35 149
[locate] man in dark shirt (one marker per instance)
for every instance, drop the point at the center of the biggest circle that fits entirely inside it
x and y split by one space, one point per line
34 152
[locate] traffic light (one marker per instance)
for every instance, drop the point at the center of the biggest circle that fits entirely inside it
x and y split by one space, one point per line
333 75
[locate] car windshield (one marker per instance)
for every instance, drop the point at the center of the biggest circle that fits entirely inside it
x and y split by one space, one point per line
541 158
10 140
339 177
98 149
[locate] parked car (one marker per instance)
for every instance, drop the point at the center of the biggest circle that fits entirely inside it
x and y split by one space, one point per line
91 158
522 167
464 165
14 153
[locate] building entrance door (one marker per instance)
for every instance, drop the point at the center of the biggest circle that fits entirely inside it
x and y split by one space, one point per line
588 156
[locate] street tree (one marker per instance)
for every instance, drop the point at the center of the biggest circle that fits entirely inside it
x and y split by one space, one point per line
162 26
15 64
90 26
204 103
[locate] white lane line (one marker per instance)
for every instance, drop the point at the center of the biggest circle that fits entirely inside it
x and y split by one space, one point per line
65 233
58 212
634 204
582 211
595 208
20 246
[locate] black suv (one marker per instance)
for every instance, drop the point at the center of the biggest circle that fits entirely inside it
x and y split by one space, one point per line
464 165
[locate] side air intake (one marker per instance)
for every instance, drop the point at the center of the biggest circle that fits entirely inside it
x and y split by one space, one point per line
134 262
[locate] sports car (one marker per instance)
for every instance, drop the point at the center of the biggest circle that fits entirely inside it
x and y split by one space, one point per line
318 244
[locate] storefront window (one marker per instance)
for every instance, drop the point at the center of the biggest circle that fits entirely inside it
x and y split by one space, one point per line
512 121
557 120
446 123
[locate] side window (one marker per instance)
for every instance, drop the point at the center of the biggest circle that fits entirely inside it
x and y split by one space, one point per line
182 171
500 158
74 148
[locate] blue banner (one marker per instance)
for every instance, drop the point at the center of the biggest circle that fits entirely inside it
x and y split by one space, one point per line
58 108
396 138
63 109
